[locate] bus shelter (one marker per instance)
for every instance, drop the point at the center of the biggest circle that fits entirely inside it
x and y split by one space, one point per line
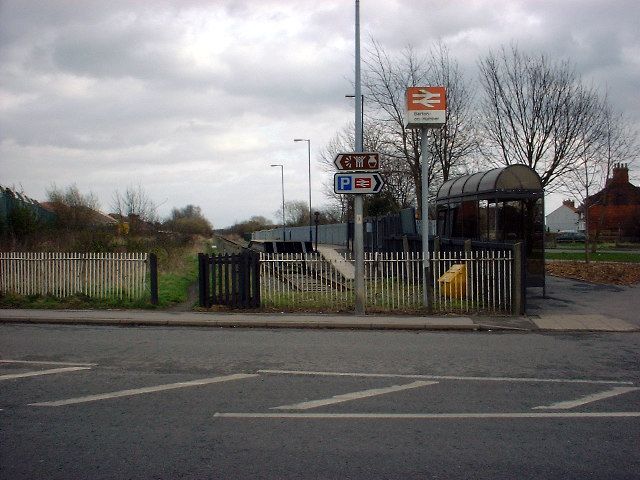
502 205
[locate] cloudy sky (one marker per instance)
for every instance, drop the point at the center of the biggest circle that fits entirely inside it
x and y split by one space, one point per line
194 100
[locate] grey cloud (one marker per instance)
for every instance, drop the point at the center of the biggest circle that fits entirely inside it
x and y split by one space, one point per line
105 91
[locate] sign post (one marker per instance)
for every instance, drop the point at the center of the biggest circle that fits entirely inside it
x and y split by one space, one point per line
358 202
426 108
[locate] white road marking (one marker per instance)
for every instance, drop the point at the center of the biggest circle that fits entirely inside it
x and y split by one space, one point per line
594 397
447 377
427 416
346 397
34 362
42 372
140 391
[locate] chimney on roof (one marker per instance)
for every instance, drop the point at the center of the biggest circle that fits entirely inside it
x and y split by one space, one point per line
569 203
620 174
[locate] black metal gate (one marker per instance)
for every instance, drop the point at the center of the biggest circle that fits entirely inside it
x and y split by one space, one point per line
232 280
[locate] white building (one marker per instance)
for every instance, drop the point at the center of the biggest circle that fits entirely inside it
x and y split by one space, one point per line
565 217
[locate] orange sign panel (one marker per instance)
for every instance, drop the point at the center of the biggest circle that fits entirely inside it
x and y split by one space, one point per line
426 98
426 107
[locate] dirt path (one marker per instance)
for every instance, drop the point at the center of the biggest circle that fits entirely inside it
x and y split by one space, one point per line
192 300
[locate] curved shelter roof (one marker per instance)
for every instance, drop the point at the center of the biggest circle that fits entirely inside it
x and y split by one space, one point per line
514 181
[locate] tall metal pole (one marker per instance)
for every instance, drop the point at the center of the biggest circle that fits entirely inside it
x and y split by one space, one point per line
358 234
361 115
426 270
308 140
284 223
309 152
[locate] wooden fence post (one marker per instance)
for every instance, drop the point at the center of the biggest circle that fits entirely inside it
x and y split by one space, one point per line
255 260
153 270
203 280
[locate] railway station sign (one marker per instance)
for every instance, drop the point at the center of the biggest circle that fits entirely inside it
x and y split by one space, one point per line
357 182
426 107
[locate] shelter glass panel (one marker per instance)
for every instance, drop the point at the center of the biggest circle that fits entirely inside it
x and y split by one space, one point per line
483 220
470 219
495 221
513 220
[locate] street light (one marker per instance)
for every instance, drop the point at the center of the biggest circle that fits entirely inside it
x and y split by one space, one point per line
361 116
284 224
309 152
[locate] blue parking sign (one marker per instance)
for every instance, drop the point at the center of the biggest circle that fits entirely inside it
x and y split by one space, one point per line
344 183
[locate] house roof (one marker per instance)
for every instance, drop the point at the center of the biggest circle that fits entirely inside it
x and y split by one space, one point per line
564 205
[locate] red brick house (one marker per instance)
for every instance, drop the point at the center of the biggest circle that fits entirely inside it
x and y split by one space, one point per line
614 212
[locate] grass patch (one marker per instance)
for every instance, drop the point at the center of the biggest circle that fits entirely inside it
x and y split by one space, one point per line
78 301
627 257
173 286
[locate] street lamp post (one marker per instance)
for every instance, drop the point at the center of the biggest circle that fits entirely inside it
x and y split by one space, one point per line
284 224
309 156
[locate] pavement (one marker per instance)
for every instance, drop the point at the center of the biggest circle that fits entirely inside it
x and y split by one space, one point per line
568 306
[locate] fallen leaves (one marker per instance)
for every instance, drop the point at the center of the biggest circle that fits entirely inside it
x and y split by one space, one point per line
609 273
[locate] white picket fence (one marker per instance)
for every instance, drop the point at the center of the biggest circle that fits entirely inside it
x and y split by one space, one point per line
97 275
393 281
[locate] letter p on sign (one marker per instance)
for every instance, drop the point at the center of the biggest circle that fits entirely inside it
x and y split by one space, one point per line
344 183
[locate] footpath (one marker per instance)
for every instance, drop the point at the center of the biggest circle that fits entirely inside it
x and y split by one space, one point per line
557 322
568 306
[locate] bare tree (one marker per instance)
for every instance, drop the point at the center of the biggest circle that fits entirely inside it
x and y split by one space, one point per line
73 209
620 142
386 79
457 141
538 113
582 180
398 184
135 205
296 213
619 146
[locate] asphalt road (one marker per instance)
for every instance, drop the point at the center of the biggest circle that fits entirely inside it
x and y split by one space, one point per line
82 402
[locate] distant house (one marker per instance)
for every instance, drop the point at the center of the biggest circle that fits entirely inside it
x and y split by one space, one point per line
614 212
565 217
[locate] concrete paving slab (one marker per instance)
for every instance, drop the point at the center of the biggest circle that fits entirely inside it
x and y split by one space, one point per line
253 320
577 322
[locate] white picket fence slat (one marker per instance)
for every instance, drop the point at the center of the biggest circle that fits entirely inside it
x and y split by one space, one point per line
97 275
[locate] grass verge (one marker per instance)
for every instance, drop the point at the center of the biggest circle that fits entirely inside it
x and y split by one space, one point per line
178 269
